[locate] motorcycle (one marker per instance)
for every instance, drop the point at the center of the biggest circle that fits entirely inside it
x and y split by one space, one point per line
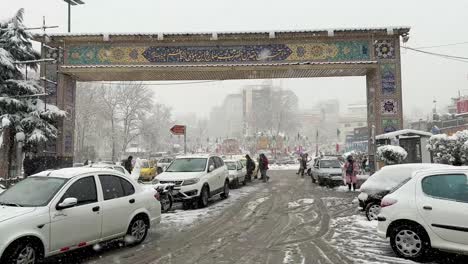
165 195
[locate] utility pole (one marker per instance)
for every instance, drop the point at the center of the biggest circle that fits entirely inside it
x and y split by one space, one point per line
70 3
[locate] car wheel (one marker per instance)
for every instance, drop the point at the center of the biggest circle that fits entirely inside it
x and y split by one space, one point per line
137 231
186 205
204 196
319 182
225 193
372 211
313 179
166 203
410 242
22 252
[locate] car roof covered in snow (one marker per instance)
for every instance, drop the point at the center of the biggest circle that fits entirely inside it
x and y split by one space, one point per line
194 156
69 173
391 176
442 169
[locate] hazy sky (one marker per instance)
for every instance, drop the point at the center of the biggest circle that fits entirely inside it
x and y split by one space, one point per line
433 22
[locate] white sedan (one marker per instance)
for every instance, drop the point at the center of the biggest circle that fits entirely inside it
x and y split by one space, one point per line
62 210
429 211
236 172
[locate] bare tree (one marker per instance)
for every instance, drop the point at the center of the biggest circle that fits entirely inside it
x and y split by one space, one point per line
155 127
135 101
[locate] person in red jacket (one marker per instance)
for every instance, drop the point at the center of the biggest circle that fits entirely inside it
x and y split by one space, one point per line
351 168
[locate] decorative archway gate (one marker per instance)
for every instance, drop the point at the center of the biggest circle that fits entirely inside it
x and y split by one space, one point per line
370 52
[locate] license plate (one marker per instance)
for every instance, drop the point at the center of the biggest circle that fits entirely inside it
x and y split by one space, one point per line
337 178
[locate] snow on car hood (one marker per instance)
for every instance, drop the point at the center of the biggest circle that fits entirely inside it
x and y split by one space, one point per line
179 176
9 212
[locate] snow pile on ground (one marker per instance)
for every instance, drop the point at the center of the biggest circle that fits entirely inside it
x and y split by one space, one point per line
300 202
251 206
357 238
284 167
184 219
293 255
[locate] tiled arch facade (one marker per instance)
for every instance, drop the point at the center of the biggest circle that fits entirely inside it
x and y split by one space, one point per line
374 53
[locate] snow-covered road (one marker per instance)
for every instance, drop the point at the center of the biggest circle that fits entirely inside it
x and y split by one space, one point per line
287 220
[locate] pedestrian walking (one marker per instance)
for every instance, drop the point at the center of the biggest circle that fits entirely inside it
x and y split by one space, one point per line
300 164
250 167
351 169
304 160
263 166
128 165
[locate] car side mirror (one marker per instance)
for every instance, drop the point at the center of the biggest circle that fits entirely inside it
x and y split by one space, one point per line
211 168
67 203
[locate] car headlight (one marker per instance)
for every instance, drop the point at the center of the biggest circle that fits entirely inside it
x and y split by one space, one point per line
191 181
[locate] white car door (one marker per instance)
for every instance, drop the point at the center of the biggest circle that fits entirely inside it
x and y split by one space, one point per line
221 173
118 204
212 175
79 225
442 201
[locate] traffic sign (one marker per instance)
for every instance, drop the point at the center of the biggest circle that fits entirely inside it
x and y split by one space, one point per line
178 130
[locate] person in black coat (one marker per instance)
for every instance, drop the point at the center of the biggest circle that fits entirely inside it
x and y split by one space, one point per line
128 164
250 167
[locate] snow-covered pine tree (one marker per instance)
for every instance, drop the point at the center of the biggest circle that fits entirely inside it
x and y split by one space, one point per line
23 116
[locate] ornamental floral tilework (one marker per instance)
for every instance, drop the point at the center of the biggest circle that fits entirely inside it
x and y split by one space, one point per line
385 49
326 51
387 72
390 125
389 107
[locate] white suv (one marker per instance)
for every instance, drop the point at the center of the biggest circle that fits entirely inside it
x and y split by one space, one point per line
429 211
196 178
57 211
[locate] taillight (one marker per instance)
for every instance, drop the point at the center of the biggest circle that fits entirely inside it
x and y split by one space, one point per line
387 202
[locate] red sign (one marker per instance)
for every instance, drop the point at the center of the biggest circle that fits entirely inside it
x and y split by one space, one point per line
178 130
462 106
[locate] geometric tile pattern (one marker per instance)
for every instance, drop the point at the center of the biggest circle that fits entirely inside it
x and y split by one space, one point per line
389 107
385 49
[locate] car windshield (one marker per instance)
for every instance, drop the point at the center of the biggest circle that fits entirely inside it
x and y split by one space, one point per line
231 165
330 164
187 165
32 192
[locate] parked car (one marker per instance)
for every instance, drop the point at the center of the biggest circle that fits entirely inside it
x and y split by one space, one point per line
118 168
147 172
62 210
327 171
383 181
197 178
163 164
236 173
429 211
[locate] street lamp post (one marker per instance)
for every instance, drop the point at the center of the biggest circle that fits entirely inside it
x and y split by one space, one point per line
70 3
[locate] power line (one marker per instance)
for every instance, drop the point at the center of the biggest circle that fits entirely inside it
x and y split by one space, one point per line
445 56
159 84
443 45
